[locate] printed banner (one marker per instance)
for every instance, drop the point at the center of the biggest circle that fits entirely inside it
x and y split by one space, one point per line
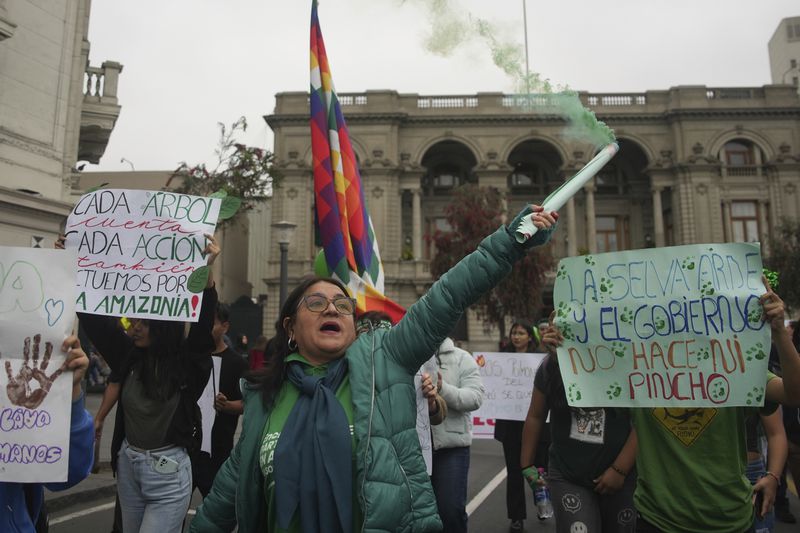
508 381
678 326
137 251
37 295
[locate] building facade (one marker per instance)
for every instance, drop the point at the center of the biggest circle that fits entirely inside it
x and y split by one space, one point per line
696 165
55 111
784 53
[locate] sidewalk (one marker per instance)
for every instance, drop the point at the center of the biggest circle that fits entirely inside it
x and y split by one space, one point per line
96 486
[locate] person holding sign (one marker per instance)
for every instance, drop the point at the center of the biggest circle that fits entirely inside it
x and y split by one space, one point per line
22 502
354 394
693 480
162 376
523 338
591 466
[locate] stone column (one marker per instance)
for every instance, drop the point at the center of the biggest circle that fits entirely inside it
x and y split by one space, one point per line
726 220
591 222
572 229
416 214
658 217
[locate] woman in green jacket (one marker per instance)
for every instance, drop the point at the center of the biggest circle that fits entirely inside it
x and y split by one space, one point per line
329 438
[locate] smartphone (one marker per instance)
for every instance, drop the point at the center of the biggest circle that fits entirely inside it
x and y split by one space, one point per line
758 503
165 465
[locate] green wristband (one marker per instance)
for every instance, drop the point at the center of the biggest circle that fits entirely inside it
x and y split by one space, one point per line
529 471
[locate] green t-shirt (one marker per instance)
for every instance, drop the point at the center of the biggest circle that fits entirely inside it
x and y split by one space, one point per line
284 402
691 466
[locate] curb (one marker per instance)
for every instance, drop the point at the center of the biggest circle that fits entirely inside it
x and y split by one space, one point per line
61 502
57 501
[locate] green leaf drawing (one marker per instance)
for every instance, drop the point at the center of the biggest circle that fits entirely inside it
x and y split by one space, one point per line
222 193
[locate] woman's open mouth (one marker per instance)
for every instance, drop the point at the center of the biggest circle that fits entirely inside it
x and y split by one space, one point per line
330 327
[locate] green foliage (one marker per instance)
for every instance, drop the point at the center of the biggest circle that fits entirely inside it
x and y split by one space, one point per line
474 213
242 173
785 260
198 279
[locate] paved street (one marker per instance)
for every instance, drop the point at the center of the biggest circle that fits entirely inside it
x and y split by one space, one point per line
486 495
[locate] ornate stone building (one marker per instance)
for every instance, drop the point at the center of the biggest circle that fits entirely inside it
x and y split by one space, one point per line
784 52
55 110
696 165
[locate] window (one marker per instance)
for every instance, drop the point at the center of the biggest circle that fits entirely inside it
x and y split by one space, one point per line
738 154
611 234
744 221
611 180
669 228
795 81
792 63
789 31
528 178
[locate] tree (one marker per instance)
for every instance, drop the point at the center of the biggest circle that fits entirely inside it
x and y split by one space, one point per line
474 213
241 171
785 259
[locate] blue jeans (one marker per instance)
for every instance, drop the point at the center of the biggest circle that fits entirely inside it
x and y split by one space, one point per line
449 479
755 471
153 501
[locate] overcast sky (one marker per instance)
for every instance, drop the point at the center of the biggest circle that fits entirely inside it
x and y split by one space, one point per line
189 64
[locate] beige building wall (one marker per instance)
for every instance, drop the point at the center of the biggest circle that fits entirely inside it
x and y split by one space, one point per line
784 52
54 111
693 159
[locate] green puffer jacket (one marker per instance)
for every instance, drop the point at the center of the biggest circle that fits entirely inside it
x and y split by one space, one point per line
394 489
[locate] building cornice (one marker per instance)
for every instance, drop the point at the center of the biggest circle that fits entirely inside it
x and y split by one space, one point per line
9 198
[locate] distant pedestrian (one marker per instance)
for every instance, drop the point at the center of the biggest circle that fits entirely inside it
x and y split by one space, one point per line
227 405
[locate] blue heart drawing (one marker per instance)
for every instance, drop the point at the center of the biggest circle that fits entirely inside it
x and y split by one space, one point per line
54 308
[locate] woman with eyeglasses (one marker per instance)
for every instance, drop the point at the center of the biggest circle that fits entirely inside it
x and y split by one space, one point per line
328 439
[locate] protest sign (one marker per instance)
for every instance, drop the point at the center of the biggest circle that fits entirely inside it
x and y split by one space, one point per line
678 326
423 418
137 251
37 295
508 382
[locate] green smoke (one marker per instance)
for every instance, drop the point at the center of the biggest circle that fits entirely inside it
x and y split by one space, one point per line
452 27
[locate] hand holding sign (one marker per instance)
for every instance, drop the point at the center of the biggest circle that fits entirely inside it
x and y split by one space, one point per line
19 388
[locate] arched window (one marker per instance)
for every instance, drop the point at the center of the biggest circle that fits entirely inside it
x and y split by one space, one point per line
535 164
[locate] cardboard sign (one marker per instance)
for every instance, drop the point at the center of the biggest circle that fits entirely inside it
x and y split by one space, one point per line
37 312
508 381
137 250
679 326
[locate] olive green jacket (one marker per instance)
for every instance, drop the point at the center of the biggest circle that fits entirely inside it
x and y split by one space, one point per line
394 489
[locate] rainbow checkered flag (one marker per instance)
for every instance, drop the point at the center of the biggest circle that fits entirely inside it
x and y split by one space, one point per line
343 224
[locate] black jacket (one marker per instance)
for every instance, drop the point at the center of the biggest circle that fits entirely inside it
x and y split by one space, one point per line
195 353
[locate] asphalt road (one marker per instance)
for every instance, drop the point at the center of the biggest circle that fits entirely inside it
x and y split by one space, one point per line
486 496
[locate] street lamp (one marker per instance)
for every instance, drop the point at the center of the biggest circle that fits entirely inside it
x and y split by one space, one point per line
284 231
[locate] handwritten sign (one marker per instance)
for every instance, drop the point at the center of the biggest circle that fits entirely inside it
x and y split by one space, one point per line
137 251
679 326
508 380
36 315
423 417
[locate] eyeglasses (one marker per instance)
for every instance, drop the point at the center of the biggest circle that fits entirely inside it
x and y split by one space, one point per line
317 303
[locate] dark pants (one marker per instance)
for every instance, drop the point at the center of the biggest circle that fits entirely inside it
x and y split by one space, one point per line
511 437
449 479
204 470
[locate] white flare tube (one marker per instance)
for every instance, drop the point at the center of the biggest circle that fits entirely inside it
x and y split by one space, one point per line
568 189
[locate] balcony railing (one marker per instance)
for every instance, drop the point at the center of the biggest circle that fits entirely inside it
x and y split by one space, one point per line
446 102
616 100
101 82
735 93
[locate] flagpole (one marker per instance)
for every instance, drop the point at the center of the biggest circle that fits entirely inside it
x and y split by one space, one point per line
527 64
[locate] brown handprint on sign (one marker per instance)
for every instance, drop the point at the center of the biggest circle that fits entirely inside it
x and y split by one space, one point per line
19 388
